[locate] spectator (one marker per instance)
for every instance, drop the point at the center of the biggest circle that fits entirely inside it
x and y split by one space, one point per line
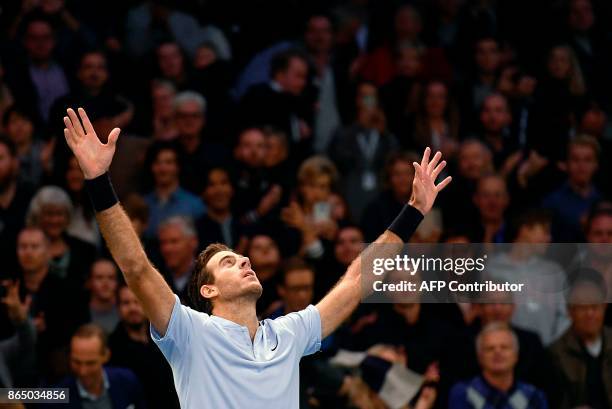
17 353
280 167
437 121
14 199
570 202
598 232
92 383
359 150
51 210
41 79
35 156
102 285
265 258
198 152
491 199
295 287
168 198
280 102
218 225
581 368
131 347
163 126
178 242
497 348
398 176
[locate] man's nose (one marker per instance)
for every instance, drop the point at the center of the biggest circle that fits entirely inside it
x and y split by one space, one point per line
245 262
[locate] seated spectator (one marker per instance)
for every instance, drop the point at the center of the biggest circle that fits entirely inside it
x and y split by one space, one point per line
491 199
570 202
92 383
436 123
178 242
198 152
265 257
171 65
163 125
102 285
131 347
17 353
256 197
581 357
359 150
14 200
51 209
168 198
543 312
497 348
35 156
295 287
105 108
398 175
281 102
474 160
280 166
218 225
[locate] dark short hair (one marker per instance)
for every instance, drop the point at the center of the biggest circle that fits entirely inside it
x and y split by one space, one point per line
594 214
280 62
157 147
203 276
529 218
19 110
93 331
585 140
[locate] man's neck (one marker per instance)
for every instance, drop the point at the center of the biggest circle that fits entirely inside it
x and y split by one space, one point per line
8 194
588 339
137 333
583 189
241 312
33 279
500 381
190 142
164 191
101 305
98 388
219 215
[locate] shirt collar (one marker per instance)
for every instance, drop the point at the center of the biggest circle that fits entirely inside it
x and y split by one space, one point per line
84 394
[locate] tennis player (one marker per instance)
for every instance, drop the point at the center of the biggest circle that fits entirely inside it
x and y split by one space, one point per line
223 356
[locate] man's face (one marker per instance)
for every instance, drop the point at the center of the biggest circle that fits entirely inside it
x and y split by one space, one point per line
264 253
293 79
8 167
581 164
348 245
495 115
498 307
487 56
559 63
409 62
600 230
276 151
53 219
491 198
19 128
39 41
86 360
319 35
234 278
165 168
163 96
176 247
219 191
32 250
251 148
534 234
473 161
93 72
581 17
170 60
130 309
103 280
497 353
189 119
587 310
435 99
297 290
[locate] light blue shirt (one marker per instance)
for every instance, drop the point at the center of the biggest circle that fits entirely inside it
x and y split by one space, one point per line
216 365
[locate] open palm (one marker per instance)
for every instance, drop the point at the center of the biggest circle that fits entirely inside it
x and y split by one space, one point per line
424 188
94 157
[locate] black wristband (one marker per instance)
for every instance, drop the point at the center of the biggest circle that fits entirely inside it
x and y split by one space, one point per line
406 222
101 192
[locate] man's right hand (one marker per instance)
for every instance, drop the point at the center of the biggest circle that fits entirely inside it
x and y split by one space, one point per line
94 157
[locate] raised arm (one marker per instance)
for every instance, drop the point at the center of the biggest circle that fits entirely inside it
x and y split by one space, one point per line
94 159
340 302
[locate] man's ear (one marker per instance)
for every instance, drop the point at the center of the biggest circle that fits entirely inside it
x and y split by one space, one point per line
107 355
209 291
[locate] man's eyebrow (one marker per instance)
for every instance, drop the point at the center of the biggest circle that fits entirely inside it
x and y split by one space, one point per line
225 257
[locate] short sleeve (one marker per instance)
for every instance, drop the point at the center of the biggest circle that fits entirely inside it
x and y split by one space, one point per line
178 335
306 327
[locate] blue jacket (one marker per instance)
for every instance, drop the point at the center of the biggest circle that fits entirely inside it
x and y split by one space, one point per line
124 389
478 394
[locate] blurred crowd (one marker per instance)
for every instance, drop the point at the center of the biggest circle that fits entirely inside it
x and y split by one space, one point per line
287 129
